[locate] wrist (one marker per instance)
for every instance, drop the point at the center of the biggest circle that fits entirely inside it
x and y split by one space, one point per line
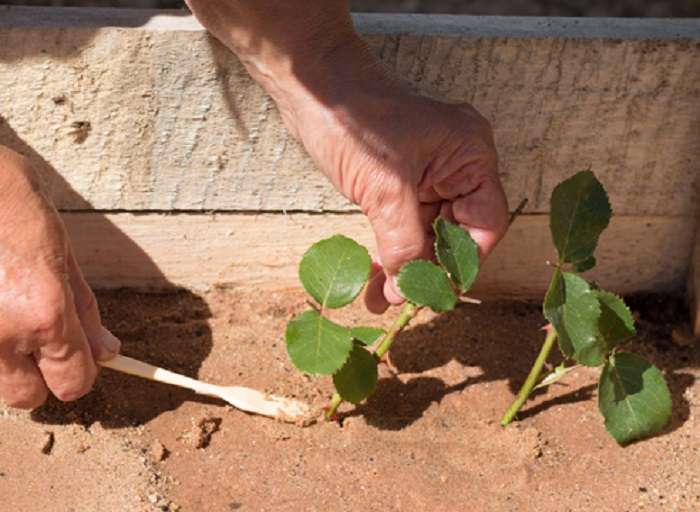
301 51
324 78
273 36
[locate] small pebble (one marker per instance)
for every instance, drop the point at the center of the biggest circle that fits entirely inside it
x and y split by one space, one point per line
158 451
202 430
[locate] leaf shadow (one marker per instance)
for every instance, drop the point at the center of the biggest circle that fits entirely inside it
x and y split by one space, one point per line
502 338
467 335
572 397
396 404
678 383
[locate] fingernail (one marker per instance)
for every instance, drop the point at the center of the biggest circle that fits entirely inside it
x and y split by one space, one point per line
395 284
109 344
392 292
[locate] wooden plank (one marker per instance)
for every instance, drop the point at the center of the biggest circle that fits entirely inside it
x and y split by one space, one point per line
177 124
418 24
198 251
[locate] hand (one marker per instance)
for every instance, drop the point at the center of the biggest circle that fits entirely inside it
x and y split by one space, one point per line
403 158
50 327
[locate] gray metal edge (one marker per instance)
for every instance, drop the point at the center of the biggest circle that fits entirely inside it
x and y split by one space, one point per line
415 24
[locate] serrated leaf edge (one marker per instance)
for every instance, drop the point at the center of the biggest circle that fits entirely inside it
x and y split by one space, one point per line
380 336
376 382
347 356
323 303
610 364
340 262
402 270
462 289
607 198
599 291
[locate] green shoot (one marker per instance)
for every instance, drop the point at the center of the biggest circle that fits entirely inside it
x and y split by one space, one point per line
590 323
587 324
334 271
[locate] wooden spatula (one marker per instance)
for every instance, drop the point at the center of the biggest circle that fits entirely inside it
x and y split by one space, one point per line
245 399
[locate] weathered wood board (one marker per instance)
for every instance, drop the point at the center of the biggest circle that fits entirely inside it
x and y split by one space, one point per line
175 123
199 251
172 166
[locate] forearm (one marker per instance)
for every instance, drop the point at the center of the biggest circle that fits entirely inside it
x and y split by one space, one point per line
292 47
276 33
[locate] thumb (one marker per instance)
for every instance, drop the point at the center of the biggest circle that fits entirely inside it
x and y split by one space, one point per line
400 228
103 343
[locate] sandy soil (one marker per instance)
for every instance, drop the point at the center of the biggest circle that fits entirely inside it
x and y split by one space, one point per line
428 440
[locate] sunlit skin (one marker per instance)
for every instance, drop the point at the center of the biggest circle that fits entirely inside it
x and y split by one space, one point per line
402 158
50 328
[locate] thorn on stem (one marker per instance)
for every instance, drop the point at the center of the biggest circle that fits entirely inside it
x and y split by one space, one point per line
387 361
332 417
517 211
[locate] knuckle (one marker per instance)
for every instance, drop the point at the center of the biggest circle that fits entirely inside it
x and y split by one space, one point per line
396 257
474 117
473 122
382 192
74 389
485 145
27 397
48 316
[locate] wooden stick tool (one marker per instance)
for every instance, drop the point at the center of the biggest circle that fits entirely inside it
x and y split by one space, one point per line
245 399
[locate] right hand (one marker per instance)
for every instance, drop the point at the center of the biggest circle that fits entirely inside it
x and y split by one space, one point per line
51 333
402 158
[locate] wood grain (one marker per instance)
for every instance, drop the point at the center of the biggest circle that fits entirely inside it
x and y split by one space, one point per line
175 123
262 251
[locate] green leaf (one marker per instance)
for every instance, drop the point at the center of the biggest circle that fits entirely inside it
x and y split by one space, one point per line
426 284
633 397
334 271
616 323
579 213
316 345
367 335
357 379
585 265
457 252
573 309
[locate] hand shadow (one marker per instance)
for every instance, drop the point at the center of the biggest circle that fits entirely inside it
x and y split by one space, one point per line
180 340
499 337
396 404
